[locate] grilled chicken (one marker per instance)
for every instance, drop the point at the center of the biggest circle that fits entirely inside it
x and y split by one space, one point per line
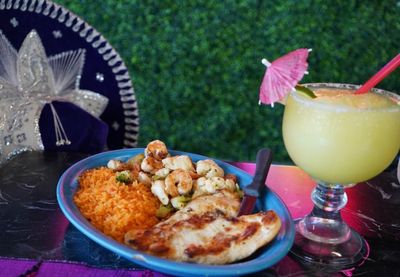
207 231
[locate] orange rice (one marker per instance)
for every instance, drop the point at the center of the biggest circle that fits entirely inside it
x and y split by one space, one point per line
113 207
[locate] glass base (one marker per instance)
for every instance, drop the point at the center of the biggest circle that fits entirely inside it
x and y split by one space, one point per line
331 255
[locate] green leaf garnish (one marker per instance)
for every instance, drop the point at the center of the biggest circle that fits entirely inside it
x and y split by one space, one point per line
305 91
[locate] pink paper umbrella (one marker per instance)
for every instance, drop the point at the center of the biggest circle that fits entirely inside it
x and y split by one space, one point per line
282 75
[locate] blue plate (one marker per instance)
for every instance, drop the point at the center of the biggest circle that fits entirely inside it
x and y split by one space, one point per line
263 258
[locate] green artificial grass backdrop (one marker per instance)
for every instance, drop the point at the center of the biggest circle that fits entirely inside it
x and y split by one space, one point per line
196 65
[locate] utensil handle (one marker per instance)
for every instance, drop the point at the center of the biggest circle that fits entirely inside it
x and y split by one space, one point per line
263 162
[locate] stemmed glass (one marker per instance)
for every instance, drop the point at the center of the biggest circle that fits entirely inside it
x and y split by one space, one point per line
339 145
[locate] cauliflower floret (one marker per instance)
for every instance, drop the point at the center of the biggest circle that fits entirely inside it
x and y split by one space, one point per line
161 173
212 185
209 168
114 164
158 189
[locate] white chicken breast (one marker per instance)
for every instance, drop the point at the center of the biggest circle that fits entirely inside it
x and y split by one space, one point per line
208 231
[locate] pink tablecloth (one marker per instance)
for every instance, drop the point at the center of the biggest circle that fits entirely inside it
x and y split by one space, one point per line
291 184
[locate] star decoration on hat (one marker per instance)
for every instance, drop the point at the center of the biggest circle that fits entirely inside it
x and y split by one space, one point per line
29 80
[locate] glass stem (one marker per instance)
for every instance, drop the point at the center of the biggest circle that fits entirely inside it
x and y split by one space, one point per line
325 224
329 198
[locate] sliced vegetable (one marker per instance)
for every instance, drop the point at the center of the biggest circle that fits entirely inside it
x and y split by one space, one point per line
136 159
164 211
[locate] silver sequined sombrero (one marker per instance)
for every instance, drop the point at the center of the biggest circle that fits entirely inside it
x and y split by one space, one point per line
103 71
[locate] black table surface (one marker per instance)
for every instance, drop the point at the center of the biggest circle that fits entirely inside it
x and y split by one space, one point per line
32 225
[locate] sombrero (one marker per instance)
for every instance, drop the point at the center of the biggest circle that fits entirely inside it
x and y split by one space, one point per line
102 74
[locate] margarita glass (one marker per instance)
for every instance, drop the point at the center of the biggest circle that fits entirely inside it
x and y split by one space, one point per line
339 139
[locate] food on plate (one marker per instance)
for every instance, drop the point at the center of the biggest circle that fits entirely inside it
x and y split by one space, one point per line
207 231
173 207
113 207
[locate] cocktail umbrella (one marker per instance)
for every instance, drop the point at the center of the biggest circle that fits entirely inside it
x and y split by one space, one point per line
282 75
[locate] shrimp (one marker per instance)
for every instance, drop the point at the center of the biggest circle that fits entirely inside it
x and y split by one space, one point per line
156 149
209 168
178 182
151 165
117 165
232 177
178 162
158 189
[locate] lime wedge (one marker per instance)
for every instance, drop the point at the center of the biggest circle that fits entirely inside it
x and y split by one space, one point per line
305 91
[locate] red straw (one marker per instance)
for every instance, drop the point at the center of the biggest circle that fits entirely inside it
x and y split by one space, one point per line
380 75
